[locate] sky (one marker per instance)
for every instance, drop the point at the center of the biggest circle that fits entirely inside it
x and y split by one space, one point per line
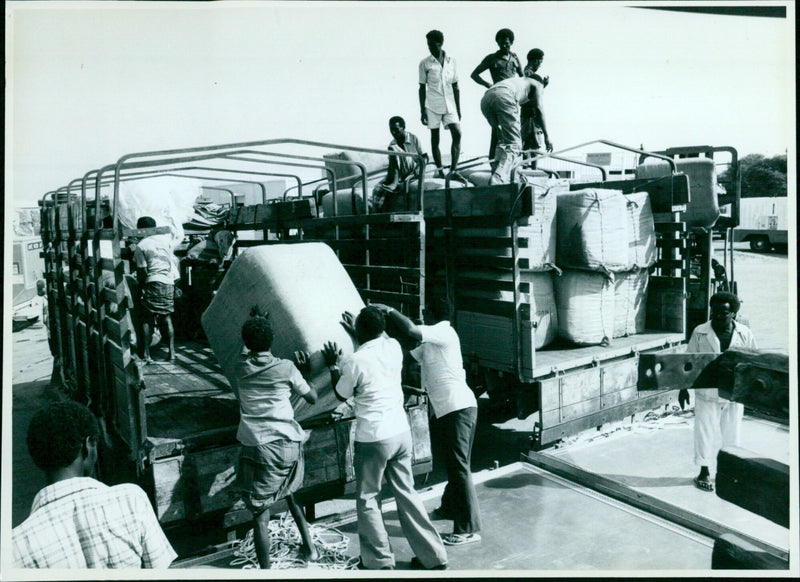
89 82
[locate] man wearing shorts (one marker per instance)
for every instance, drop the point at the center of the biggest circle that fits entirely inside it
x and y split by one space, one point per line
271 459
439 101
156 273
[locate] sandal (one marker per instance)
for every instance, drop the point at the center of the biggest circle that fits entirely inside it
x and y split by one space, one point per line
704 484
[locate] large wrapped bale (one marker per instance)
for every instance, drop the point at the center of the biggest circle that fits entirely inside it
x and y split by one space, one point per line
305 290
585 301
703 208
642 230
630 302
592 230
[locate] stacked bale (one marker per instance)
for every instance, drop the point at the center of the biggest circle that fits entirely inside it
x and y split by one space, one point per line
605 244
630 286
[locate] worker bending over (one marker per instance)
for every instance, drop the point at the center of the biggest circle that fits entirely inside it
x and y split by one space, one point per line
383 447
271 460
716 419
500 106
456 411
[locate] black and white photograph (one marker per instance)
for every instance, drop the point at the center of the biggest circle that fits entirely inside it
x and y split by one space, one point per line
450 289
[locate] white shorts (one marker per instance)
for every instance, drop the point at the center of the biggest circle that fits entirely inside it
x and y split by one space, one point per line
436 120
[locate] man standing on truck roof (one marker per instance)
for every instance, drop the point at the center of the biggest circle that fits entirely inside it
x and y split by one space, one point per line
440 101
383 446
502 64
77 521
716 419
157 273
532 134
402 169
500 106
271 460
456 410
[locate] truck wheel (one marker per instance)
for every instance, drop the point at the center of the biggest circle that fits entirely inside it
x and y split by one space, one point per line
759 244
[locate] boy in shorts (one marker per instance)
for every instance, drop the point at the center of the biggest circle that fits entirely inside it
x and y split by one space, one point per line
271 460
439 101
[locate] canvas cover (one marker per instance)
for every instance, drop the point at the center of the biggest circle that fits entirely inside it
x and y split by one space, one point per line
642 230
630 301
585 301
592 230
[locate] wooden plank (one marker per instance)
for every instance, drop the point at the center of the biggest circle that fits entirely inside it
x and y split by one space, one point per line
168 489
390 297
732 552
489 262
755 483
501 200
322 463
382 269
644 501
487 306
144 232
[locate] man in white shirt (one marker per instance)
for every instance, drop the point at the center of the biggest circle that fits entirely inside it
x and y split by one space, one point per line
456 411
383 447
440 102
715 418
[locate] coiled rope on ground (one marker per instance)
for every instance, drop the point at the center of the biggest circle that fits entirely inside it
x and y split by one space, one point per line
285 545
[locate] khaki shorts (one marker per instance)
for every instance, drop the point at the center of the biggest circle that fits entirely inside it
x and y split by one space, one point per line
436 120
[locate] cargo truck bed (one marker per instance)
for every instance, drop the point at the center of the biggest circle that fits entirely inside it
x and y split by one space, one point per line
561 356
189 397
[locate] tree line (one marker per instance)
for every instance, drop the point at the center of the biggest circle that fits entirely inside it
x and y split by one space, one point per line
761 176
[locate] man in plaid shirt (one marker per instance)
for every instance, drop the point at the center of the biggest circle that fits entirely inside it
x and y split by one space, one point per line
77 521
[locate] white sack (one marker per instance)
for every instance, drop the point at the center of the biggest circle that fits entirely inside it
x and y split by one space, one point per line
630 302
642 230
305 289
168 200
592 230
585 301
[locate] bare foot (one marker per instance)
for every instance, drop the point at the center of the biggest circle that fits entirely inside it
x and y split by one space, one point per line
309 556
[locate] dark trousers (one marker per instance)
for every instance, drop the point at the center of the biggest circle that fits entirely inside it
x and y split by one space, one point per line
459 499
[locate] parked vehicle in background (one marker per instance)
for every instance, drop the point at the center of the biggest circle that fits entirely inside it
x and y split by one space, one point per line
762 223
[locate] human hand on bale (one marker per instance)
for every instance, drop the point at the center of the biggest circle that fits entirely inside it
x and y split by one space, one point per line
303 361
349 323
331 353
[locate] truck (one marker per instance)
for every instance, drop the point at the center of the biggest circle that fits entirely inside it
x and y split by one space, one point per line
763 223
171 427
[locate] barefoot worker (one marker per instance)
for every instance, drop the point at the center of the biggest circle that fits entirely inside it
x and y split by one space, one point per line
271 460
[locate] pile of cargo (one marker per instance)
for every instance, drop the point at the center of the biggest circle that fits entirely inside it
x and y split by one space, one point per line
584 256
605 245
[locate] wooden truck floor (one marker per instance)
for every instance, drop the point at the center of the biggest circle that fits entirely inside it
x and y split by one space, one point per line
189 396
556 356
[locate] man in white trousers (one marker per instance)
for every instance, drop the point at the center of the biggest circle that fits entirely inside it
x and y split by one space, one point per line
716 420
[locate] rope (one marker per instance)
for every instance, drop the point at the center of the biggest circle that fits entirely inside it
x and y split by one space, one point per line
285 545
